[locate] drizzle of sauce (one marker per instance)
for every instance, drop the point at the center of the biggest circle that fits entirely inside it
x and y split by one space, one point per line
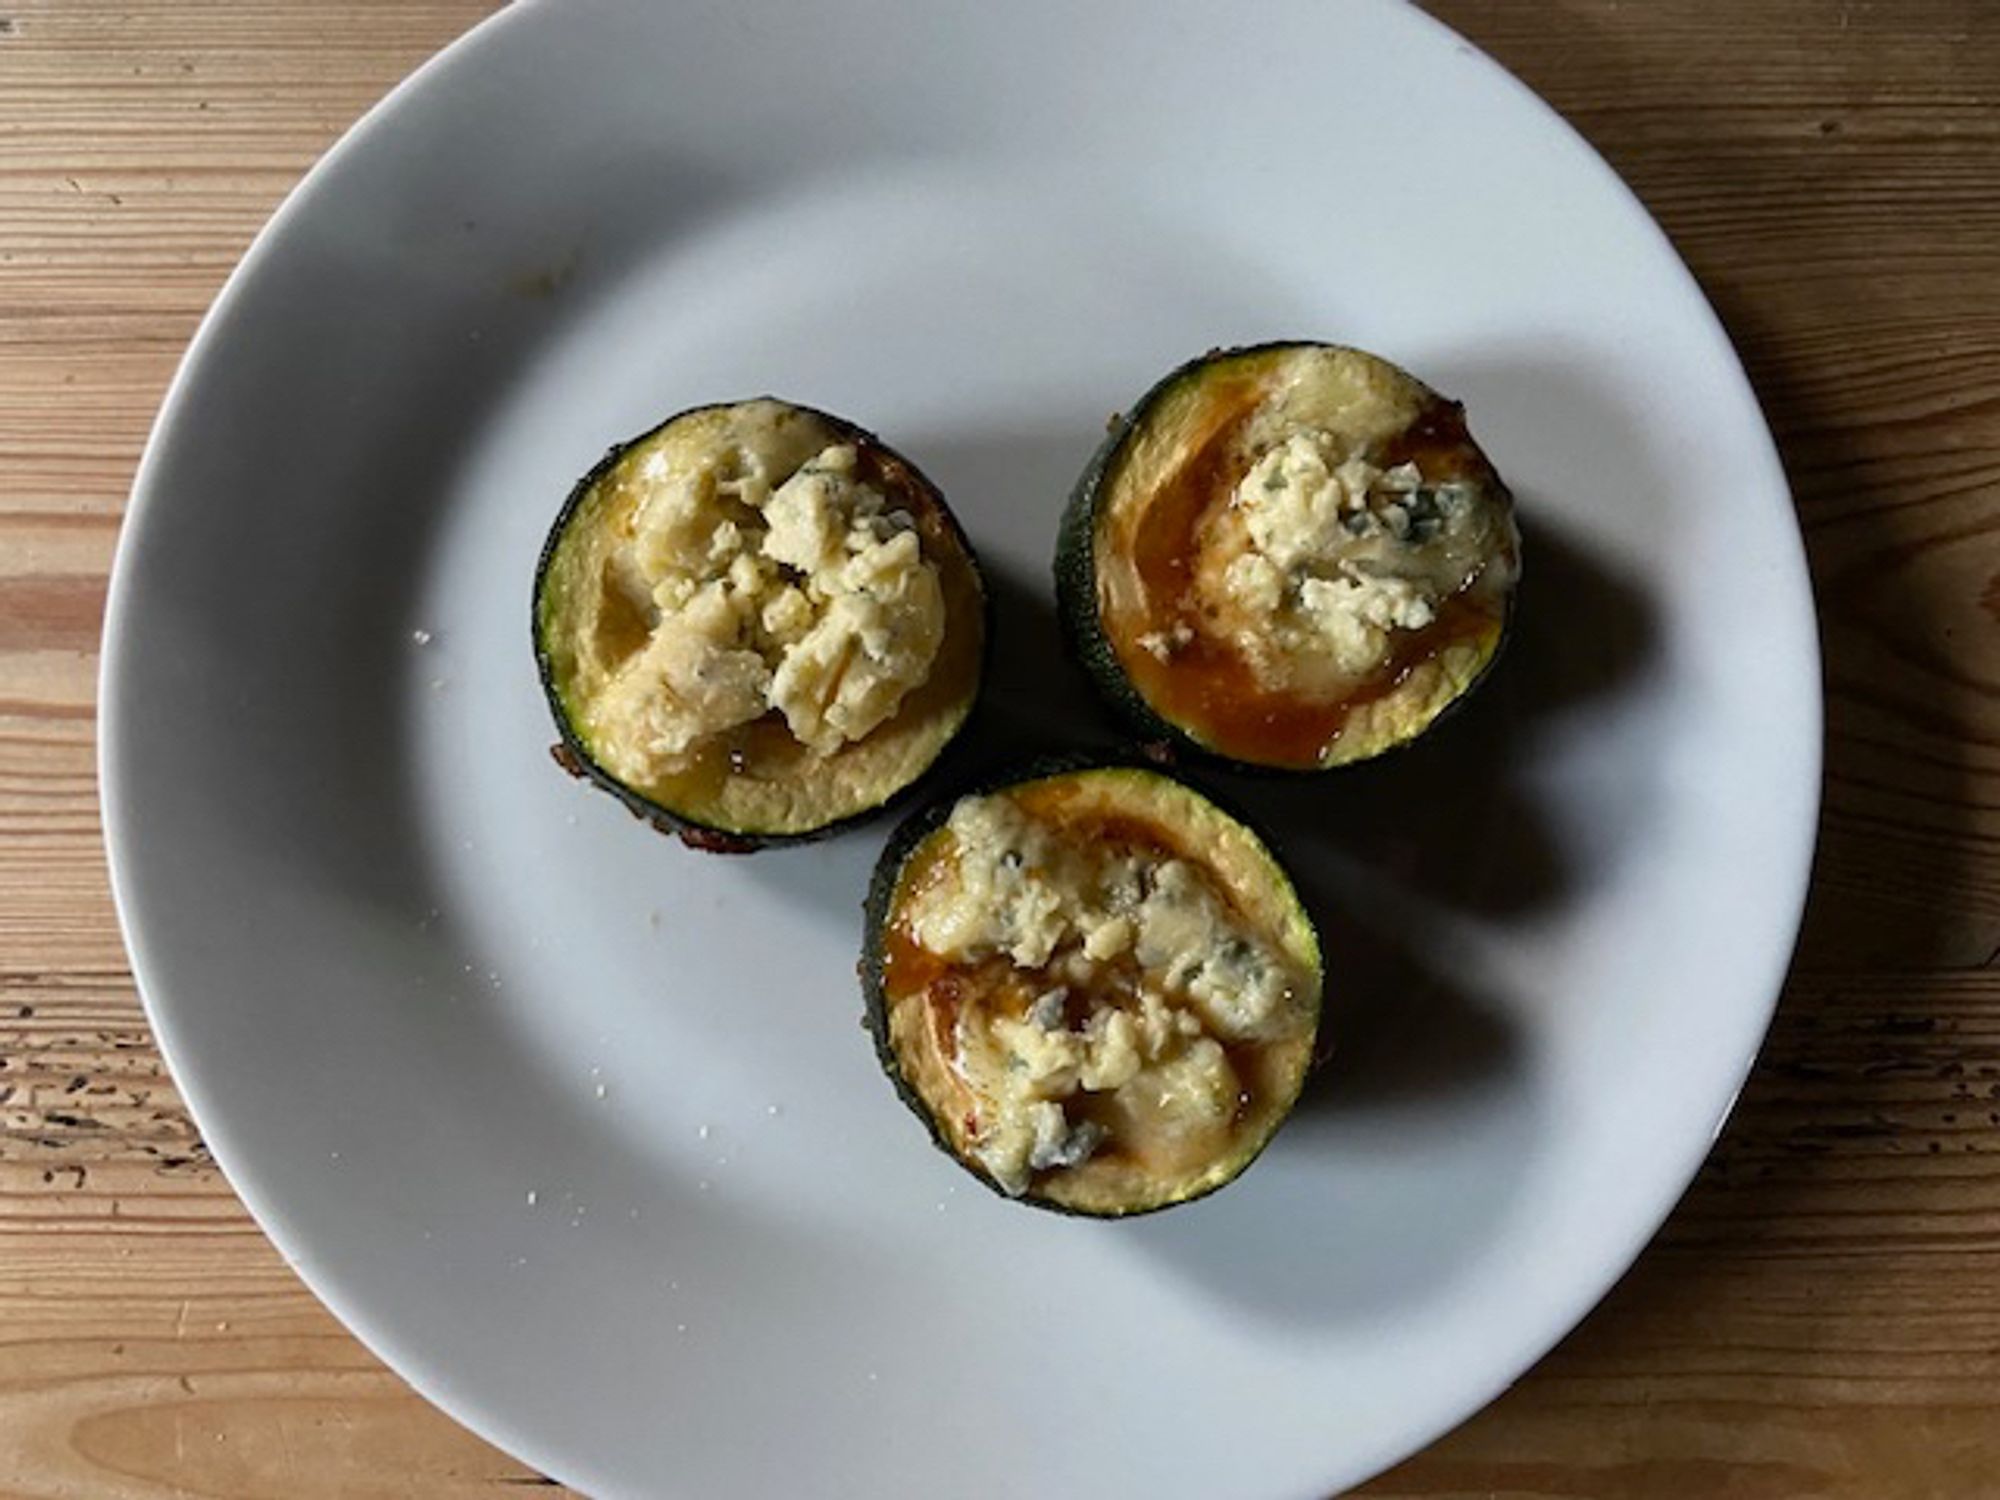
1437 442
1247 1062
1208 686
909 968
946 989
1113 833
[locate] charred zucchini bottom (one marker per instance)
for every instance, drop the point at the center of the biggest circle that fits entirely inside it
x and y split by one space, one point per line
756 621
1097 989
1290 556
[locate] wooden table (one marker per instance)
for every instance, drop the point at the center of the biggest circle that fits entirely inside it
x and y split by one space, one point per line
1821 1317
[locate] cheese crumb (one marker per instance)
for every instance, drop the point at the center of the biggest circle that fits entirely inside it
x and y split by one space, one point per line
882 626
1166 962
799 592
1319 560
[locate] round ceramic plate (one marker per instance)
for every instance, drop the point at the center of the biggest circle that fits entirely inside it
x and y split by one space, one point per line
576 1127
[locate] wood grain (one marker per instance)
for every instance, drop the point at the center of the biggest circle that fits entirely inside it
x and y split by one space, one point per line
152 1344
1820 1318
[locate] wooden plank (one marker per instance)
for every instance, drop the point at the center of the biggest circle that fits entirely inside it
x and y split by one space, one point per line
1822 1315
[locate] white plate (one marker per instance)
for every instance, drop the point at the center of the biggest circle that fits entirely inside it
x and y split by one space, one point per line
575 1127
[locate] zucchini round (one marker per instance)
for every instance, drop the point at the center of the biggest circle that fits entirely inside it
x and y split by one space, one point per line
1098 990
756 622
1289 556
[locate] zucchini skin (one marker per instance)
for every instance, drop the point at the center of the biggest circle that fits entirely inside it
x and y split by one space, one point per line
1156 737
1077 607
1082 629
569 751
877 911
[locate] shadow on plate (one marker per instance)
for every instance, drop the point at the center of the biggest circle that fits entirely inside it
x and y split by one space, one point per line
498 290
1412 1139
1372 1199
319 786
1033 701
317 783
1452 818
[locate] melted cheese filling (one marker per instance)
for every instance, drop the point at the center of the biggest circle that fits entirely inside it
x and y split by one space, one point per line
766 584
1320 558
1126 977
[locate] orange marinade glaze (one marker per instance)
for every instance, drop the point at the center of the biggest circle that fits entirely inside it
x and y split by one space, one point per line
1209 687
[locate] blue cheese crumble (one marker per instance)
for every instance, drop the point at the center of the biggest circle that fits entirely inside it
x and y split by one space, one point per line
1321 558
772 578
1138 977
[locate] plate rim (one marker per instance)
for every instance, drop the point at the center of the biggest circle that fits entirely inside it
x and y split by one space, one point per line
435 1384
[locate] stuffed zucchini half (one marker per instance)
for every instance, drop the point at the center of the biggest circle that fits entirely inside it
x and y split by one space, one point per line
755 622
1289 556
1097 989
